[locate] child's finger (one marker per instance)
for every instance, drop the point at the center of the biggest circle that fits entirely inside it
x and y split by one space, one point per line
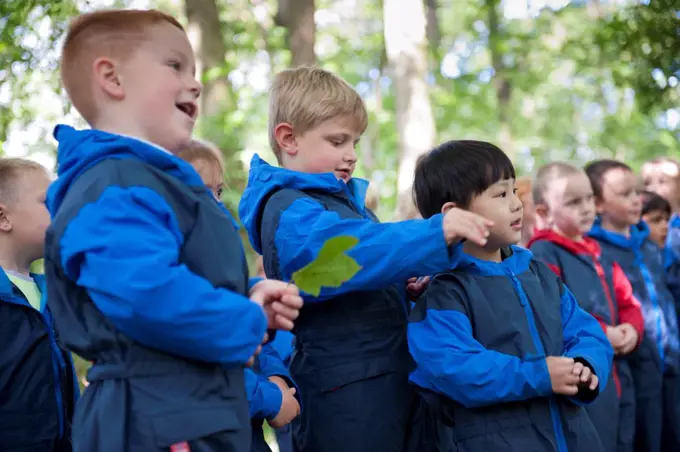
594 381
282 323
285 311
586 374
577 369
292 301
569 390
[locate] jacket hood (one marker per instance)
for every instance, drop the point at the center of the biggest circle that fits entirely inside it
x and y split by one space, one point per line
638 235
587 246
80 150
515 261
264 180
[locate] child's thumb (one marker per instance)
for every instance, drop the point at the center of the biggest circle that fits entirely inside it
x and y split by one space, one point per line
292 391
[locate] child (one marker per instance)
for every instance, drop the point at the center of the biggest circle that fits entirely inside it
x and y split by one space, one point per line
500 337
268 382
208 162
147 276
564 201
351 357
656 212
655 365
38 387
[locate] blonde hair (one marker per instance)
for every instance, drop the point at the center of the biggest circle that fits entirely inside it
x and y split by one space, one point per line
202 150
114 33
548 174
305 97
11 172
661 161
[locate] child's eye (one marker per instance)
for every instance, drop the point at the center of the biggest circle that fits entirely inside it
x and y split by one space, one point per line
219 193
174 65
502 194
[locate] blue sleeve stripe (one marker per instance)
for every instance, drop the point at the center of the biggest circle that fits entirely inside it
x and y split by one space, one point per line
452 362
124 249
422 250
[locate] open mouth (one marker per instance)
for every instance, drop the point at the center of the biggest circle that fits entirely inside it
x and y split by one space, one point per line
344 173
517 224
188 108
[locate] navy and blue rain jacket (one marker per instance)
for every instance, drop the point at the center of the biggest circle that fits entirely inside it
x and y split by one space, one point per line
38 384
480 336
655 364
147 278
602 289
672 259
642 262
351 357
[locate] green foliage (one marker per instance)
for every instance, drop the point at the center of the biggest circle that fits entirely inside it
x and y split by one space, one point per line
331 268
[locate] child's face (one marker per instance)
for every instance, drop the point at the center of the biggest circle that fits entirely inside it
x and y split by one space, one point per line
160 89
211 175
328 148
658 226
621 203
28 216
500 204
664 180
571 206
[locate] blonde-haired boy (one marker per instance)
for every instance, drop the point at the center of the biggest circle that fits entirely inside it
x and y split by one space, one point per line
147 277
38 388
351 361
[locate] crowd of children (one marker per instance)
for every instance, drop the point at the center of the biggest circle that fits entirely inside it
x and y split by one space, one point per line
566 343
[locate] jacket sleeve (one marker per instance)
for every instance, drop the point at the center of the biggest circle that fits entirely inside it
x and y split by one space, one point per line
452 362
585 341
264 397
630 310
388 253
124 250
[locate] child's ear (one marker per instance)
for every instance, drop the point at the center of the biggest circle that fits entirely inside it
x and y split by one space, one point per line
448 206
5 224
599 205
543 211
108 78
285 138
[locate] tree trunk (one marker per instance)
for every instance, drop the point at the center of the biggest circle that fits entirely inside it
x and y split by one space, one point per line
434 36
500 79
405 24
206 36
297 16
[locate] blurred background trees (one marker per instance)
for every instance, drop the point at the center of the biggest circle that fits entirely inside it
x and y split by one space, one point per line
552 80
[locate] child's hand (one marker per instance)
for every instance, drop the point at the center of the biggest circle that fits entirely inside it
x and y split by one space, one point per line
281 302
460 224
615 336
290 408
629 340
586 376
416 286
562 377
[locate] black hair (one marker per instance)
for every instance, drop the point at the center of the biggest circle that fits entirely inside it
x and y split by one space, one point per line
597 169
457 171
651 202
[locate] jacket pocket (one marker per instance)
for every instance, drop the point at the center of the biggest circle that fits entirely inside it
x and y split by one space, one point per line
336 377
190 425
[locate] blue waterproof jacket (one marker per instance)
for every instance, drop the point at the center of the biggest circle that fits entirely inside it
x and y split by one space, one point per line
480 336
147 278
38 384
642 262
351 357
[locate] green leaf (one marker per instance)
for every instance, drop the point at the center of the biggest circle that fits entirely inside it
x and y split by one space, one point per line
331 268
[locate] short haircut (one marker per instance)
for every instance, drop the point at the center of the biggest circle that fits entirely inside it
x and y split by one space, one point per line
11 172
597 169
548 174
305 97
661 160
112 33
651 202
457 171
202 150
